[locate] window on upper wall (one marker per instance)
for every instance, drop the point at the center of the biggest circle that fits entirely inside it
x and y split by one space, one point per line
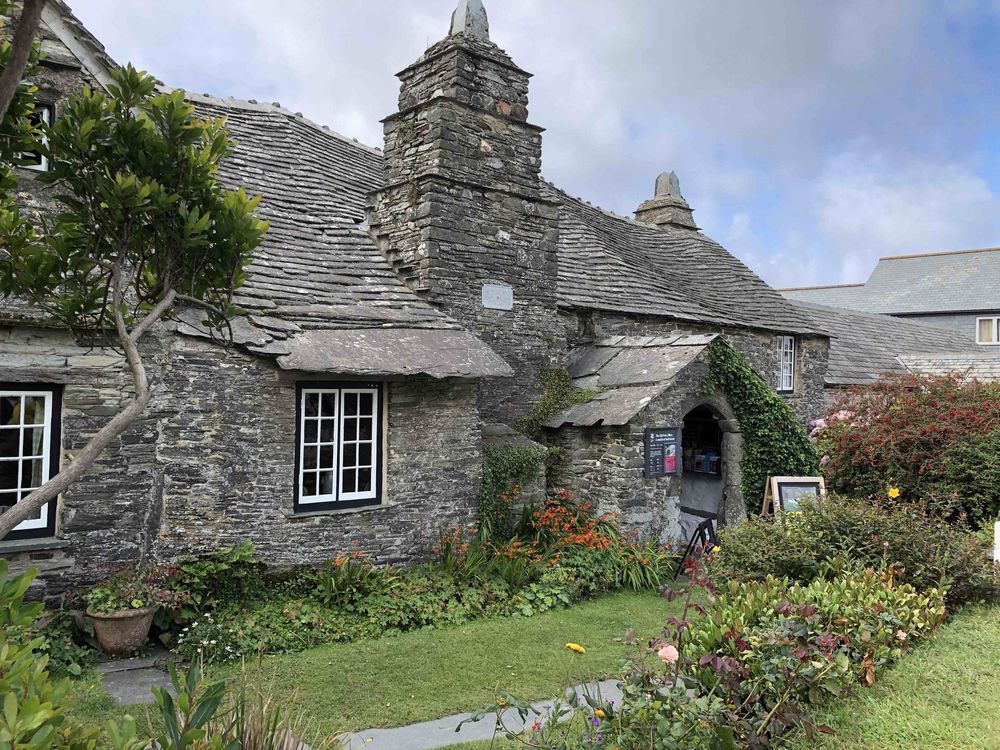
785 370
339 456
988 331
29 451
42 115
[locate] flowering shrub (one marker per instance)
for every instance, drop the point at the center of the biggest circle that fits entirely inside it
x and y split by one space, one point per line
923 549
928 436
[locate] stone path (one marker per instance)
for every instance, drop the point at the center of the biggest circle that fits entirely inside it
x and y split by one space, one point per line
441 732
128 681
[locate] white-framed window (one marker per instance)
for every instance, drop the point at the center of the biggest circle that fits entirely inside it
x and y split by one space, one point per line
29 451
338 460
988 331
35 160
785 357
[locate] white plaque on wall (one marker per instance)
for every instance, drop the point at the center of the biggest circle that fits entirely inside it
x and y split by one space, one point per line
498 297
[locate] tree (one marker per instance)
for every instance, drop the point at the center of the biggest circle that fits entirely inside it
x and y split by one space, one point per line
16 56
144 227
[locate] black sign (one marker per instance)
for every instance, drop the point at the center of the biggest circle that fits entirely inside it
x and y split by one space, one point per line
663 448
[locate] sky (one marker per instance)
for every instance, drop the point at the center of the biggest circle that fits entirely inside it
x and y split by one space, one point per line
810 137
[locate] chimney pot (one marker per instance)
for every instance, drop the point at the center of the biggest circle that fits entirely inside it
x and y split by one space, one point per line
470 19
667 207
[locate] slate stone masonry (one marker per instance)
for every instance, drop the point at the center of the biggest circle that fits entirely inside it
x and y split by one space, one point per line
462 207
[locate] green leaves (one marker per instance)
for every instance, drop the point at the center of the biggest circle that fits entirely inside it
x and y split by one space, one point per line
135 175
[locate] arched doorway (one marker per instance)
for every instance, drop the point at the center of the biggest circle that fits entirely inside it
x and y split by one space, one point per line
710 455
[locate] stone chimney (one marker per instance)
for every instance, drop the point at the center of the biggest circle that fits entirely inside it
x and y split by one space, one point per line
462 217
667 207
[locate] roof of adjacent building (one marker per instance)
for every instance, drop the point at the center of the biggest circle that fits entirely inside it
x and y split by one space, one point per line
627 373
609 262
960 281
983 365
864 346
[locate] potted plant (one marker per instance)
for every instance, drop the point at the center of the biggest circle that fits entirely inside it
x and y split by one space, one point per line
122 608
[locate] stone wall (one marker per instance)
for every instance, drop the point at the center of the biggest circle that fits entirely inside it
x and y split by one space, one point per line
211 462
604 465
462 209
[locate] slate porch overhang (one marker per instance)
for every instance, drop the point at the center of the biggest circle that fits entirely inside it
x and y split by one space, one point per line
630 372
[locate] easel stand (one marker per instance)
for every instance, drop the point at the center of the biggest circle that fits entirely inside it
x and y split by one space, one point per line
703 536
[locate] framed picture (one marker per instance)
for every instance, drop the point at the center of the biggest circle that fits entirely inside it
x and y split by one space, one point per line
785 494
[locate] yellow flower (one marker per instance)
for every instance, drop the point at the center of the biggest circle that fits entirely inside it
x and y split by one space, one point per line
576 648
716 548
599 713
894 492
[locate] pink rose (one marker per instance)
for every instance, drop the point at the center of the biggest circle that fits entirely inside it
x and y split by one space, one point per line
668 654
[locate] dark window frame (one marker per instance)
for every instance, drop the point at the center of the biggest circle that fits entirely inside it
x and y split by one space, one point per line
55 454
378 458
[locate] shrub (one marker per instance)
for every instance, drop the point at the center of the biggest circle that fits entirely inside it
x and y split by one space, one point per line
348 578
135 589
231 574
505 469
930 436
923 549
66 644
32 717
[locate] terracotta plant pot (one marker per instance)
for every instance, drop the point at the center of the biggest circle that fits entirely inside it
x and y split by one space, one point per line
122 633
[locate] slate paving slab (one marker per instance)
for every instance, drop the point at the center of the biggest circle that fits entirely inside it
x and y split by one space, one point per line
128 681
441 732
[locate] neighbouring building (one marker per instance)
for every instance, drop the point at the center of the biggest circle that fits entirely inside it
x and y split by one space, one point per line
405 303
957 290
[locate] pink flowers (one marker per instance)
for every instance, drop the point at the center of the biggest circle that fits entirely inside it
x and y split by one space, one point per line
668 654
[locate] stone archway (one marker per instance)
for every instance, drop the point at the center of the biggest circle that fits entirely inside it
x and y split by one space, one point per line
712 451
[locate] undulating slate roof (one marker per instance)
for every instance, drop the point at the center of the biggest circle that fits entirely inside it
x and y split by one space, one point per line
318 287
608 262
863 346
627 372
963 281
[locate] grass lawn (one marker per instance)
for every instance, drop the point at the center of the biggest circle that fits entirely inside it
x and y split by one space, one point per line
943 695
428 674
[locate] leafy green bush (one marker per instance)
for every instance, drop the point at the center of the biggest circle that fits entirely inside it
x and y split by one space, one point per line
923 549
32 717
932 437
346 579
230 574
66 644
505 469
135 588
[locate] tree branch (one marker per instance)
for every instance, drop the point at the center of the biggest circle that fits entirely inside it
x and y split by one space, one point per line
113 429
24 40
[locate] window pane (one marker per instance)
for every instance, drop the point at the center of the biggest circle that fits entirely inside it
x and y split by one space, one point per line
309 458
7 499
364 480
350 429
34 410
366 402
986 335
8 475
326 457
330 404
312 404
8 443
326 483
309 484
364 454
328 430
311 431
350 403
350 477
31 474
32 443
365 429
350 454
10 410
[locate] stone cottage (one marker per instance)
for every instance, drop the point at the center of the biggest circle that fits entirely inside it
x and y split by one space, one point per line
404 301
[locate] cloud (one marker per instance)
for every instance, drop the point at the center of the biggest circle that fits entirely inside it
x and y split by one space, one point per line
759 107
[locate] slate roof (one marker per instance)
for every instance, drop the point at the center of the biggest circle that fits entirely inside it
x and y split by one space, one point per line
318 287
978 365
963 281
628 372
608 262
863 346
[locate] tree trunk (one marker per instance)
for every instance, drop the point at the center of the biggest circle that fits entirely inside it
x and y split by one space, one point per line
112 430
24 39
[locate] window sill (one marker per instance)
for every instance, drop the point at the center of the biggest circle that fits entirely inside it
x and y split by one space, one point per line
31 545
306 514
